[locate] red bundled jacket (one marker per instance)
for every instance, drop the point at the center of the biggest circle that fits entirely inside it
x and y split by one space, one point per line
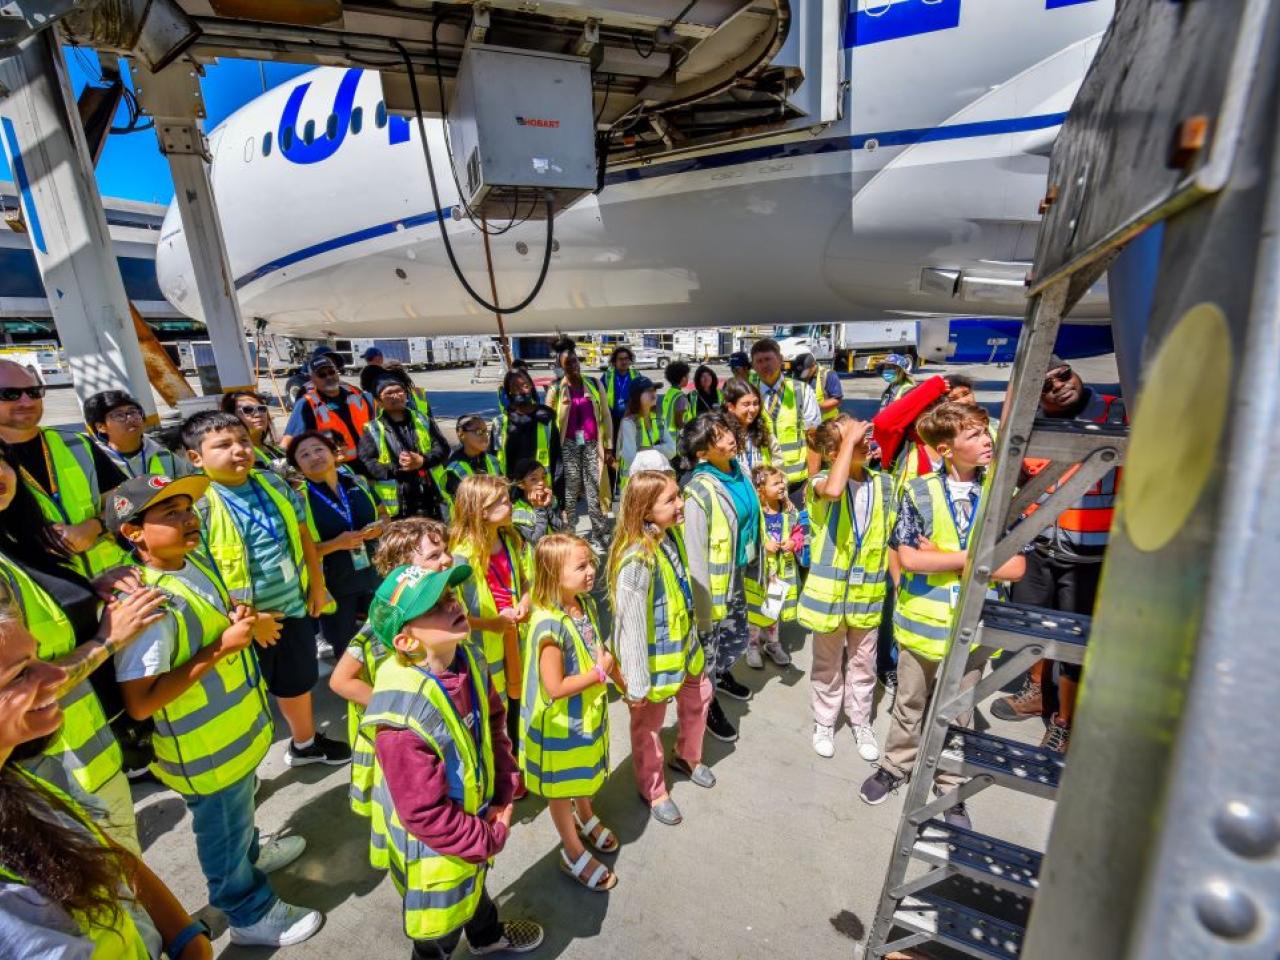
895 424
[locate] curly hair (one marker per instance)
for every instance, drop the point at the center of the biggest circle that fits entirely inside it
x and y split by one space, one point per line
400 541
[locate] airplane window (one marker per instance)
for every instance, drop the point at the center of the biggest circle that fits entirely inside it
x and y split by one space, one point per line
357 119
266 144
331 127
309 133
380 115
286 138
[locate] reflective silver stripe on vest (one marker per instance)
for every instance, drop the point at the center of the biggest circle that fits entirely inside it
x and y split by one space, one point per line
221 701
202 765
442 900
76 694
838 607
927 630
662 679
829 571
917 585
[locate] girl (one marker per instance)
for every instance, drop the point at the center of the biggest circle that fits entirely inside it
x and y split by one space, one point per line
527 429
756 442
642 428
252 410
564 724
706 391
655 639
723 530
783 540
415 541
534 511
497 593
344 517
852 512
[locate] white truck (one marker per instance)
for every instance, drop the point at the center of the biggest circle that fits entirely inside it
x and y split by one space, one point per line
849 347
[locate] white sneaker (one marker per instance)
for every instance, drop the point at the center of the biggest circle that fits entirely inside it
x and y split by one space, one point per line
824 741
777 654
324 649
278 852
866 738
283 925
754 660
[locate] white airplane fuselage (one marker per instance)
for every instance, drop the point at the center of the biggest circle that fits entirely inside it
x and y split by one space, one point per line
937 163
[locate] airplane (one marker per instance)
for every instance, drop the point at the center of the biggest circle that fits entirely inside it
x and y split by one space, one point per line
919 200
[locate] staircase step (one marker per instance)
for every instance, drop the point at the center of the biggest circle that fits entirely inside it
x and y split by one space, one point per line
960 927
1012 626
1018 766
979 857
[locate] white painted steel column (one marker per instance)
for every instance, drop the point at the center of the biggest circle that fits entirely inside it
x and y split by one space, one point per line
49 158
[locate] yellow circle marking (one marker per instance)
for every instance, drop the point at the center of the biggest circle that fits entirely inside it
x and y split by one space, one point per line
1176 431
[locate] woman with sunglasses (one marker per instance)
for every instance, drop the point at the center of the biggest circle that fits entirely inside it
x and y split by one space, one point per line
252 410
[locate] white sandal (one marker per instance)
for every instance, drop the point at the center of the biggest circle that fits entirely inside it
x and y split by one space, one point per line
602 878
601 843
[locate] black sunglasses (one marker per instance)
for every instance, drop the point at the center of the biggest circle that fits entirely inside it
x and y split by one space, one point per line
10 394
1061 375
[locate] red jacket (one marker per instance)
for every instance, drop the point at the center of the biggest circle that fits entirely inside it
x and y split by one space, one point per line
895 424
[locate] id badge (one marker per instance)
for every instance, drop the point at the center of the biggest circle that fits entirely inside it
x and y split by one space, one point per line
857 576
288 571
955 595
360 558
752 549
580 438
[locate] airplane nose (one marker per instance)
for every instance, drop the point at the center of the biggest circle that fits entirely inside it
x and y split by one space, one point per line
173 265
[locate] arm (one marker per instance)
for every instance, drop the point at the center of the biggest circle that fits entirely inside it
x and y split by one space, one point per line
666 442
1013 569
630 635
165 911
604 421
557 462
627 440
346 682
832 391
346 540
807 400
680 412
697 549
837 479
915 560
122 622
551 672
297 422
315 572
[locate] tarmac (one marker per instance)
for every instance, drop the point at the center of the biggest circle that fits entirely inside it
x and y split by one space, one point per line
780 860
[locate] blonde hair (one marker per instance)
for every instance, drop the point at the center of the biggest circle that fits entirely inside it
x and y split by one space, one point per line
632 529
825 439
945 422
550 557
476 495
400 541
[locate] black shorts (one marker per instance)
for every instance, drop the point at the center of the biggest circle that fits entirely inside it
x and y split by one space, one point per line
289 667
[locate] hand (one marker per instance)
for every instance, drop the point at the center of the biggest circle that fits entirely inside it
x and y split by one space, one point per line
118 580
503 816
266 628
373 531
79 537
772 546
317 599
236 637
853 431
510 614
924 543
540 497
350 540
604 660
124 619
411 461
524 608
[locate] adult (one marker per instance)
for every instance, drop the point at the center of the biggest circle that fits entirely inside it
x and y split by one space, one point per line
504 402
417 395
65 889
675 401
586 441
472 454
756 442
64 612
251 407
706 391
67 474
372 371
346 522
895 371
115 420
722 527
404 453
1065 564
642 428
618 377
527 429
332 407
823 381
791 410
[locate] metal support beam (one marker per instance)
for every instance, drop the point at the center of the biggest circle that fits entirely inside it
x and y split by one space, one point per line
45 144
173 97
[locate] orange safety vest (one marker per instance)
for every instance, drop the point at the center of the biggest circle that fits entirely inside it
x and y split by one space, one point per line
1088 523
329 422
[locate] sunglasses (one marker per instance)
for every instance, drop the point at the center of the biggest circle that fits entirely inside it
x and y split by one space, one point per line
10 394
1054 377
324 371
252 408
477 430
123 416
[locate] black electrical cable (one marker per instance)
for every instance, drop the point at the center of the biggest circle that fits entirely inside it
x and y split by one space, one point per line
444 233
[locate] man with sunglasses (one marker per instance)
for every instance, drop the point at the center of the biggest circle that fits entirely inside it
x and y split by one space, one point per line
115 422
332 407
66 474
1065 565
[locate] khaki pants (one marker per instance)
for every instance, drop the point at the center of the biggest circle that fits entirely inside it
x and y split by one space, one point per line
916 677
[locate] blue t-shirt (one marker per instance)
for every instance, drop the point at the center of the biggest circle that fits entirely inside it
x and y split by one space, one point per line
277 582
773 526
746 506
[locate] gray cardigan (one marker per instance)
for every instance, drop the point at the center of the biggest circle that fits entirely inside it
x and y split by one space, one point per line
697 528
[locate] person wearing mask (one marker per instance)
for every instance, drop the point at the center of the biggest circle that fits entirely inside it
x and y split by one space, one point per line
504 402
372 371
895 371
706 391
251 408
329 405
586 443
66 890
115 422
471 456
67 475
527 429
1065 564
739 366
824 382
404 453
792 413
723 529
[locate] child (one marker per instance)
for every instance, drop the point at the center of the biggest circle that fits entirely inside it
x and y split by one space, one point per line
564 723
413 540
641 428
115 421
255 531
535 512
931 535
194 672
497 593
472 455
655 639
851 509
775 599
444 760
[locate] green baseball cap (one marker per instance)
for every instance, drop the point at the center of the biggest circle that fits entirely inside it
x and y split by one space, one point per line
409 592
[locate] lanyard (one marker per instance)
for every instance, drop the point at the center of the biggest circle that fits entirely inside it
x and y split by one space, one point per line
955 517
264 508
475 731
860 535
342 509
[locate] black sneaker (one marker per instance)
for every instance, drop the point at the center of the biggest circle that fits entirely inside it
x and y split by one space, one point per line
332 753
718 724
957 815
732 688
877 787
518 936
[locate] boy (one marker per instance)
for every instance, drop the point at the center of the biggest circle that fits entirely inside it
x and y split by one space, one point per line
932 537
444 761
472 455
255 531
115 421
534 510
195 673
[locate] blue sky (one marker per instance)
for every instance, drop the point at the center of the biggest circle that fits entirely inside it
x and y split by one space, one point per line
132 166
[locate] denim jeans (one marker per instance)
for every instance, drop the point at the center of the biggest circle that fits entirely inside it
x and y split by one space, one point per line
227 847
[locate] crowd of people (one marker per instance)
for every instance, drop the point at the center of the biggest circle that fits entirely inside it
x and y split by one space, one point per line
157 602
